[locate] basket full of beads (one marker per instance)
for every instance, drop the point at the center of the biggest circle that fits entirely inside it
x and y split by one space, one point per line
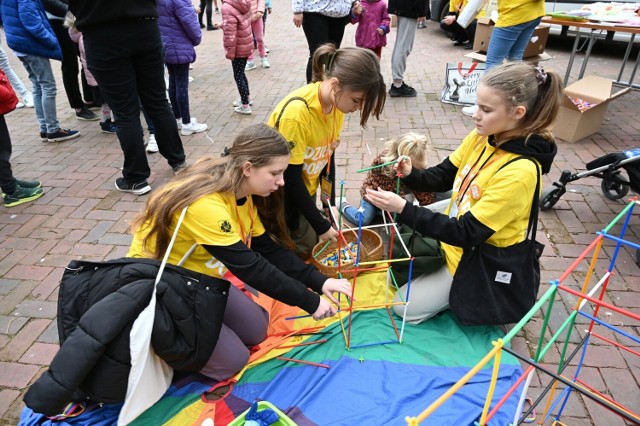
333 257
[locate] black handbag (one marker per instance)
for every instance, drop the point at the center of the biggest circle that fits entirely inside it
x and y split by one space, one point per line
499 285
426 252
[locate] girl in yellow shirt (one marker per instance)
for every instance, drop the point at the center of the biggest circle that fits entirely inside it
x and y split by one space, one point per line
234 226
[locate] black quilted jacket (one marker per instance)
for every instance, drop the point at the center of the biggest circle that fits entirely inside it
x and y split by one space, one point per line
97 305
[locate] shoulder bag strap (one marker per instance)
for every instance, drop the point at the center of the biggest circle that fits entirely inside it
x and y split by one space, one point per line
533 215
173 240
294 98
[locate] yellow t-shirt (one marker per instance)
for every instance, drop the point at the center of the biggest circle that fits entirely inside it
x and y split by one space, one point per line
313 134
211 220
500 201
514 12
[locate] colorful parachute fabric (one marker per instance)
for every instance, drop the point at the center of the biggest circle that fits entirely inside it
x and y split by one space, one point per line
372 385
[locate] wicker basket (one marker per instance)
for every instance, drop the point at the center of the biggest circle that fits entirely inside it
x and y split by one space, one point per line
372 249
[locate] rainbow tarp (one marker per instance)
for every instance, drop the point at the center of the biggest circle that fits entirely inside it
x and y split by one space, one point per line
372 385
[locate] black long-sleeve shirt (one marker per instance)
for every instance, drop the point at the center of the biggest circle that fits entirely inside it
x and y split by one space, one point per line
273 270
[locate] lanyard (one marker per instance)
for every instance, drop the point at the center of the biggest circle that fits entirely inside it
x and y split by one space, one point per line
247 239
470 177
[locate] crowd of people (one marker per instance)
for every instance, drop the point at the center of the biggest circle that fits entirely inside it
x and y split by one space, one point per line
254 208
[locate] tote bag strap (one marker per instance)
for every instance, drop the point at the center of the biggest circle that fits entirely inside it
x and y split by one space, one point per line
295 98
173 240
471 68
533 215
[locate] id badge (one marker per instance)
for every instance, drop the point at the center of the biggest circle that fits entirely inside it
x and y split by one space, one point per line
325 189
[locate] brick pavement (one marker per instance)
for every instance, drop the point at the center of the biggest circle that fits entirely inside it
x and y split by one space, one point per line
82 216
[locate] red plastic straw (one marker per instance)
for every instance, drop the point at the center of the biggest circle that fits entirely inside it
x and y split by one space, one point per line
303 362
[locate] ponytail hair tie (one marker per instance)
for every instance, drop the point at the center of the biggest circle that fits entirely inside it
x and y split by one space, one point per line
225 152
330 60
541 76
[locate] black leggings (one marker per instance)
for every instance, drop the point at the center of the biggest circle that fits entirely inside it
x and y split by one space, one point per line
320 29
208 8
238 65
7 181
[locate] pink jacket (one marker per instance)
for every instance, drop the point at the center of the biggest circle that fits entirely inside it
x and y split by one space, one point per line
374 15
76 36
257 6
236 24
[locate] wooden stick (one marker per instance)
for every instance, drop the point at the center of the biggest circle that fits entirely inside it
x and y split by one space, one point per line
303 362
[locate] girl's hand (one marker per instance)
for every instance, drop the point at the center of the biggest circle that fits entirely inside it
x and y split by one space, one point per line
449 19
333 285
331 234
327 309
380 31
357 8
297 19
403 166
385 200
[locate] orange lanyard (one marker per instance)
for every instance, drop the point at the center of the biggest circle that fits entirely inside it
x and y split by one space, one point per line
326 125
247 239
470 177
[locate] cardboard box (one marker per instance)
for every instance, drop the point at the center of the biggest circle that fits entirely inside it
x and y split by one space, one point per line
482 57
485 28
573 122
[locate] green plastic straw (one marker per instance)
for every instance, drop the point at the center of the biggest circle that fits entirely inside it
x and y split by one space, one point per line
366 169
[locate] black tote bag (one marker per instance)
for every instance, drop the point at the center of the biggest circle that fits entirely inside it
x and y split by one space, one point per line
499 285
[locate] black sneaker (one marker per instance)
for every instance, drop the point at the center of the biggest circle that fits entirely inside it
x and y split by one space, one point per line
30 184
22 195
403 91
43 136
86 114
62 135
107 126
211 28
179 167
139 188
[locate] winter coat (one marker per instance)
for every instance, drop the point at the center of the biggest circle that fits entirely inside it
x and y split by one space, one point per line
408 8
236 24
27 29
179 29
97 305
76 36
100 12
257 6
374 15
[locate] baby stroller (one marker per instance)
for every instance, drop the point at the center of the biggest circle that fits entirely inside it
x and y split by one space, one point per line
614 184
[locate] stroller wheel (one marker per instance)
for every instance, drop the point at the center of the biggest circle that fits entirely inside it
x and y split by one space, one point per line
614 190
550 197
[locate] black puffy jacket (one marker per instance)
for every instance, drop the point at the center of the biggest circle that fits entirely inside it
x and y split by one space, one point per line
408 8
97 305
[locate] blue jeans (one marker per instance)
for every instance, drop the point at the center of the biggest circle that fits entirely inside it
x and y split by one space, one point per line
179 91
15 81
509 42
352 214
44 91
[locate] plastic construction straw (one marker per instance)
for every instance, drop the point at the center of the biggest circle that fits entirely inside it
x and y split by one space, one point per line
302 316
322 249
366 169
315 342
315 364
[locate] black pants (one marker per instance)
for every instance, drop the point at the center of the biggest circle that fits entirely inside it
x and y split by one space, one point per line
127 61
70 67
461 34
209 10
320 29
7 181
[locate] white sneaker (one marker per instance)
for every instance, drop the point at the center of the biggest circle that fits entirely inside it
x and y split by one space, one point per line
250 66
28 100
265 63
193 127
470 110
152 145
20 105
179 123
340 202
191 79
238 102
243 109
